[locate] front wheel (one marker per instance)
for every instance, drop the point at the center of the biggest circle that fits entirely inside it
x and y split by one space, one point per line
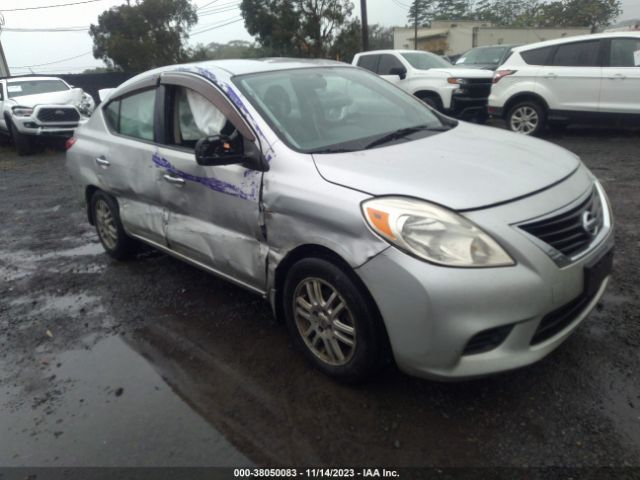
23 143
527 118
331 320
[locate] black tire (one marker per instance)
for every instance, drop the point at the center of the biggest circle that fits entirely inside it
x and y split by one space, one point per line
365 356
432 101
119 246
23 143
528 117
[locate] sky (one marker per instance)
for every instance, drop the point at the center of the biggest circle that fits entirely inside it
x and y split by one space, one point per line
70 52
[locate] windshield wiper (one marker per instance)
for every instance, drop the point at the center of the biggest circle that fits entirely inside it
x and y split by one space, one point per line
403 132
332 150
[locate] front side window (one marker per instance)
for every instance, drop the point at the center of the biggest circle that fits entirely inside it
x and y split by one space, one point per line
425 60
327 110
193 117
387 63
34 87
625 52
581 54
370 62
136 115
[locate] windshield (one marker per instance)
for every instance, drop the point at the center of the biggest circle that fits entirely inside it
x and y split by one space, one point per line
333 109
425 60
483 56
34 87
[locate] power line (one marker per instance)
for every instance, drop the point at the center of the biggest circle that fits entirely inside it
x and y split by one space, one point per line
48 6
57 61
59 29
217 26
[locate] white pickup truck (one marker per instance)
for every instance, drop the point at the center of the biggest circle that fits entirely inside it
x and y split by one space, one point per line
32 107
459 92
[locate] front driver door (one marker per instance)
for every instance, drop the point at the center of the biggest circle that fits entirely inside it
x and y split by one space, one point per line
213 211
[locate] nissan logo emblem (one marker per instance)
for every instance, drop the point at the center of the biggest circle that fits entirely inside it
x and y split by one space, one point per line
590 223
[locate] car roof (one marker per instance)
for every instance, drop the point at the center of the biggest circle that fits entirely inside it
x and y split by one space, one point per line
245 66
577 38
21 79
378 52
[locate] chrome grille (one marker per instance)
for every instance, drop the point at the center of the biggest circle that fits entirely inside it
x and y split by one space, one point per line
572 231
58 114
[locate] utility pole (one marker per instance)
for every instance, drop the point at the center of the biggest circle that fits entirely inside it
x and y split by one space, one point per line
365 25
415 24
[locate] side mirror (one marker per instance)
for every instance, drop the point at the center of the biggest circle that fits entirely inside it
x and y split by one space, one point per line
222 150
400 71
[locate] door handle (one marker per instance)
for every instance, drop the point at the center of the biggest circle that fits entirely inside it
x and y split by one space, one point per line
552 75
102 162
177 181
617 76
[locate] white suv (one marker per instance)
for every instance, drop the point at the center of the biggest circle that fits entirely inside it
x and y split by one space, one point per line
574 79
459 92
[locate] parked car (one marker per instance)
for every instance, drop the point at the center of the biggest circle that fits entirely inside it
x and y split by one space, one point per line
36 107
576 79
486 58
458 92
367 219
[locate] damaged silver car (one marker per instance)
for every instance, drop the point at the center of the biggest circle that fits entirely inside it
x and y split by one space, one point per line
371 223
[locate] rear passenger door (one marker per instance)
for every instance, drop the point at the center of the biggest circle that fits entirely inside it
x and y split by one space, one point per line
571 81
126 167
621 76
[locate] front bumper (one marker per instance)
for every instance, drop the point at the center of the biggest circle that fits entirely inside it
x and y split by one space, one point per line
468 107
432 313
32 126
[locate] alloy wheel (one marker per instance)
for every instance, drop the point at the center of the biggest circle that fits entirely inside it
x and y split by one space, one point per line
525 120
106 225
324 321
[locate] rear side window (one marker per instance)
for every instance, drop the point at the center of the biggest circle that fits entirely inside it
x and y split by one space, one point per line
625 52
370 62
387 62
581 54
537 56
135 115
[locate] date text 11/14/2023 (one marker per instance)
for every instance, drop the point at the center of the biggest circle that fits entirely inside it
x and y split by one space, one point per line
316 472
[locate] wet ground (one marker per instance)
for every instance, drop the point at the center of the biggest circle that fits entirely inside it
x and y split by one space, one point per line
152 362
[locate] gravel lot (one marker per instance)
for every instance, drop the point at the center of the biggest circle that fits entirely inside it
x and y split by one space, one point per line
153 362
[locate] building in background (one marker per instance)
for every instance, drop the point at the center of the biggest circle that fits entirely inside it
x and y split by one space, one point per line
4 68
453 37
632 25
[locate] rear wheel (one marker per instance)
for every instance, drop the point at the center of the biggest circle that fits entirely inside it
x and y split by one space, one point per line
331 320
110 231
527 117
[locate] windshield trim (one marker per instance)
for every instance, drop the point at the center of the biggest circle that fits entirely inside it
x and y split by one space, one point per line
235 79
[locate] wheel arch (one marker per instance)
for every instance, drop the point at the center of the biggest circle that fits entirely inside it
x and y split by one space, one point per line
429 94
319 251
521 97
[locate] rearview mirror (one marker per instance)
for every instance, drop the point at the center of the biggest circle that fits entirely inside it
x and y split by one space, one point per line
222 150
400 71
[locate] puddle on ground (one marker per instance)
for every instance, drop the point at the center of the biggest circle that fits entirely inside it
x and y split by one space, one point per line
107 407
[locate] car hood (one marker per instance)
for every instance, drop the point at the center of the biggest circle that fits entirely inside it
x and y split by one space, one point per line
67 97
464 72
479 66
467 167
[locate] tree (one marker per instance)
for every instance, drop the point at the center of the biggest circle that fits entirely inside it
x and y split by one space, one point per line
233 49
452 9
296 27
147 34
380 37
587 13
421 12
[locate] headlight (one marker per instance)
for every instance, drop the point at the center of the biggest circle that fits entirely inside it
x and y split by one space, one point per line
433 233
22 111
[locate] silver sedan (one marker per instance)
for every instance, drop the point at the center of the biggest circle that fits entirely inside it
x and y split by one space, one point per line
373 225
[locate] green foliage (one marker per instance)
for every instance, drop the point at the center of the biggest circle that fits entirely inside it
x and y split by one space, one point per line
233 49
452 9
296 27
147 34
422 12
